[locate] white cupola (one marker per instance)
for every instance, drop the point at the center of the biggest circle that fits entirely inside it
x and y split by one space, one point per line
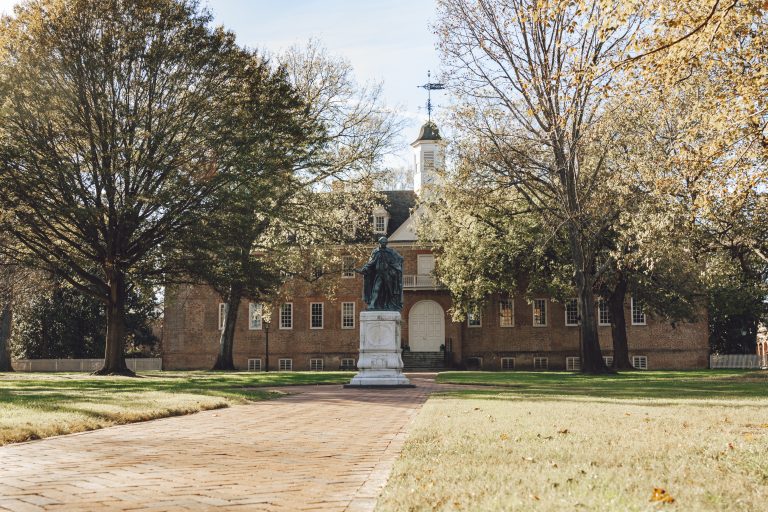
427 157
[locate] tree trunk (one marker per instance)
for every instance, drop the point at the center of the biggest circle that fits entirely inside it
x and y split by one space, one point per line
225 359
619 325
114 352
6 318
591 356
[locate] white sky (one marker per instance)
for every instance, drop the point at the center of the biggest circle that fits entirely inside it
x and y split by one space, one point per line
385 40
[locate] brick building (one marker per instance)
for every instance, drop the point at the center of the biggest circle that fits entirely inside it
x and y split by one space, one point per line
311 332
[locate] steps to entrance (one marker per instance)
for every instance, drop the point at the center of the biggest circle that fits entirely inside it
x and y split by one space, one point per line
423 361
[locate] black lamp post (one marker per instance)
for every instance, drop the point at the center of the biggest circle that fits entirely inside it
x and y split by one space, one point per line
266 346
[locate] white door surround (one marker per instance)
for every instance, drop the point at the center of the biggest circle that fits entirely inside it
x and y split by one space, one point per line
426 327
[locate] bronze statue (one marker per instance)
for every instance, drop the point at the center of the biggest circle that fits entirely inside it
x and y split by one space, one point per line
383 289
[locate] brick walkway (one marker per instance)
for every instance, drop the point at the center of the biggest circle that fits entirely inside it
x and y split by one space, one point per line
322 448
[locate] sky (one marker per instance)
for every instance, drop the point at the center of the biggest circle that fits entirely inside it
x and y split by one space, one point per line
385 40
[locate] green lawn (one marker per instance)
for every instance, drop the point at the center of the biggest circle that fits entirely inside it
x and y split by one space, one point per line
564 441
34 405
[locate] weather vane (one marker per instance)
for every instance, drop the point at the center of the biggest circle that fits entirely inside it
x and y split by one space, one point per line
431 86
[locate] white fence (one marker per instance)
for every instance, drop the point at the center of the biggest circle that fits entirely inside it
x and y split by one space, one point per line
733 361
83 365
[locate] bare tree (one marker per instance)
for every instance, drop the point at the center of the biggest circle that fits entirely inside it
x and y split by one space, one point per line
532 78
299 179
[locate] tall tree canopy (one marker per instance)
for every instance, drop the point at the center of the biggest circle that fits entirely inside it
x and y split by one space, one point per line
109 123
299 161
532 79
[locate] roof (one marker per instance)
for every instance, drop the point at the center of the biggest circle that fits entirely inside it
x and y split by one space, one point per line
399 204
429 131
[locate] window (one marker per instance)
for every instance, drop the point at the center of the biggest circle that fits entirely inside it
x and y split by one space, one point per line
474 319
254 365
572 364
315 365
572 312
640 362
222 315
350 228
285 365
506 313
254 316
608 361
347 364
603 313
507 363
347 267
379 224
286 315
638 312
540 363
539 312
347 315
316 315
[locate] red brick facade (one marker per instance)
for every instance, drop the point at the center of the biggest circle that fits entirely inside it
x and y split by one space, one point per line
191 335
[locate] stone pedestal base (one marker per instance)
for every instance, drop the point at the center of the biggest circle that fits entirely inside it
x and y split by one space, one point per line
380 363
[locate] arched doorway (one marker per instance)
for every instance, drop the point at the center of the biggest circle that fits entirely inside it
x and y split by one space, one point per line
426 327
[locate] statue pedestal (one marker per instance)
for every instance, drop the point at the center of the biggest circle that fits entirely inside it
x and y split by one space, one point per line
380 364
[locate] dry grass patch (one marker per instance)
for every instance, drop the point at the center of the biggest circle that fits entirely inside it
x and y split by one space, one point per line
504 451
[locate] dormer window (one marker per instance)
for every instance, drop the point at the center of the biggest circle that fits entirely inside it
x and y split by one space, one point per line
379 224
380 221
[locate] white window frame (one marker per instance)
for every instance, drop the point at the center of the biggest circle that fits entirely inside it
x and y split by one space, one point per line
379 230
511 303
573 364
565 310
255 312
540 363
474 317
350 228
345 365
608 360
285 364
311 315
602 306
254 365
347 267
280 314
352 315
632 311
316 364
507 363
640 362
222 314
533 312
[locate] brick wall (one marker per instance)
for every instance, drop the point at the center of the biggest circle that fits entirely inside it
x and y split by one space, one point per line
191 334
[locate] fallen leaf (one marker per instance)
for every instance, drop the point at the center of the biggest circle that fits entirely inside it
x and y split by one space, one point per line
503 437
661 496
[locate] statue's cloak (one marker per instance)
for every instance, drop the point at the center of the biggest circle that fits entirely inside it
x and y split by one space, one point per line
383 287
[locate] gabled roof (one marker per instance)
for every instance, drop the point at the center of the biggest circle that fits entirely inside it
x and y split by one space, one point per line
399 204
